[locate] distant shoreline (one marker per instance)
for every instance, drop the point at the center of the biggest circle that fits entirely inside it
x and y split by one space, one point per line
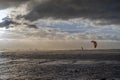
65 54
59 50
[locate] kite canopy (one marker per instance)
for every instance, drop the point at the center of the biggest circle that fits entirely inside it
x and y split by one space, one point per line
94 43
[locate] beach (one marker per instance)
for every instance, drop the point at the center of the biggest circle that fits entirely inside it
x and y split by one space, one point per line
60 65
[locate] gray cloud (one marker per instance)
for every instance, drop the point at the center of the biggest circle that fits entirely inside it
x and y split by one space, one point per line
105 10
11 3
67 9
8 22
101 11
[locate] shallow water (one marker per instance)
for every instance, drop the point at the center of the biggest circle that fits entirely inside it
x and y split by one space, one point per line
15 66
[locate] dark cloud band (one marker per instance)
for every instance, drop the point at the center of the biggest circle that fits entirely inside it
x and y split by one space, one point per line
11 3
8 21
105 10
65 9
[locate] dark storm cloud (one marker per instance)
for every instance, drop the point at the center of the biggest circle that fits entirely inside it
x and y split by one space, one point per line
11 3
8 21
105 10
65 9
31 25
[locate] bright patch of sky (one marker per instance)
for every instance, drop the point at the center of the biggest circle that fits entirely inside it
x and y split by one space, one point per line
3 14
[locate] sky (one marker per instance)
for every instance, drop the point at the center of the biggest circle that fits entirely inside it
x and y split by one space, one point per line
59 24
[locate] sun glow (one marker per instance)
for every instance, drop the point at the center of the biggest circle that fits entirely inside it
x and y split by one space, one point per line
3 13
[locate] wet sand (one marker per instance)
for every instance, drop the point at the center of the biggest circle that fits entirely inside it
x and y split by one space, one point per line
60 65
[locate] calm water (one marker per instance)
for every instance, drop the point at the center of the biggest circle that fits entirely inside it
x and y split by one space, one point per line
60 65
